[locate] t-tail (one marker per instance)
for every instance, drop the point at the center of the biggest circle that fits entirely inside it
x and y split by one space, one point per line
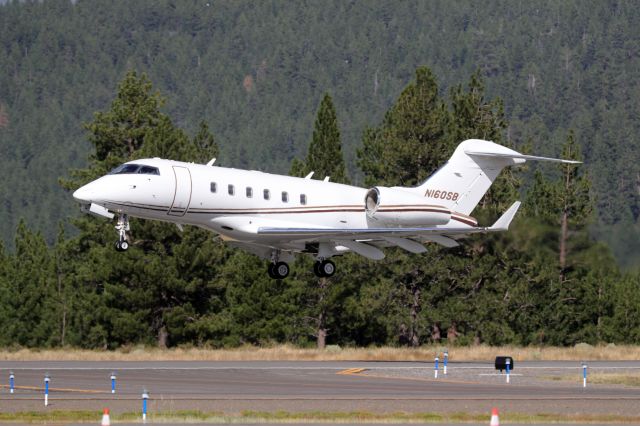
462 182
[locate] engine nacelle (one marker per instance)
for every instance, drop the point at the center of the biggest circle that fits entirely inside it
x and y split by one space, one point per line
394 207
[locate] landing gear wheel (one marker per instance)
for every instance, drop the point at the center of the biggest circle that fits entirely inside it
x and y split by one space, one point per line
278 271
328 268
271 272
281 270
124 245
316 270
118 248
324 269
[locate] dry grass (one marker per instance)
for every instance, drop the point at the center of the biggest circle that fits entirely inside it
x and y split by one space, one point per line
630 378
291 353
61 416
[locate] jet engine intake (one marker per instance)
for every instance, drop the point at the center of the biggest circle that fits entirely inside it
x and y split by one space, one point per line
397 208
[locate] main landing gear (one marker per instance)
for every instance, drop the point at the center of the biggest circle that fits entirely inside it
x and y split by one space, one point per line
324 268
278 270
122 227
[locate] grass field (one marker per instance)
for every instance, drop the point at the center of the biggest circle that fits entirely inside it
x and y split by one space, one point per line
332 353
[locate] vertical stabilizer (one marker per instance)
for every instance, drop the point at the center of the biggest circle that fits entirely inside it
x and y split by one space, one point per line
462 182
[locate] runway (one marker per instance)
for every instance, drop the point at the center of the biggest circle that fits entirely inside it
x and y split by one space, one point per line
379 387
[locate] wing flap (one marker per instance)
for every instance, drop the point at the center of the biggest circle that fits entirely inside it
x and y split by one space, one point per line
502 224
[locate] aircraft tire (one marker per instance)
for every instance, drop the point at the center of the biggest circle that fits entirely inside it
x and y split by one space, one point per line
124 245
328 268
281 270
118 248
271 272
317 270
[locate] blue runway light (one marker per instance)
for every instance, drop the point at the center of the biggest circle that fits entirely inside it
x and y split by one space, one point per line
145 397
47 379
113 382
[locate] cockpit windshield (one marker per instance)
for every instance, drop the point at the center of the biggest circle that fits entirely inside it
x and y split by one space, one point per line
129 169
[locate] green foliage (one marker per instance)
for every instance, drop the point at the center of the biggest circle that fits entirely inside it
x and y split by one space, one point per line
257 72
410 144
188 288
324 298
325 151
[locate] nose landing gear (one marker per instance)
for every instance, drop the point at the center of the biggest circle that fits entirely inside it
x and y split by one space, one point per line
122 227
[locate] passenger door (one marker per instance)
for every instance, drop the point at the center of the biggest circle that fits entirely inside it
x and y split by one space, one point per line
182 194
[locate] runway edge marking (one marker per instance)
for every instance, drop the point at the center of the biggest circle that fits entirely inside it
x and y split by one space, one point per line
351 371
38 388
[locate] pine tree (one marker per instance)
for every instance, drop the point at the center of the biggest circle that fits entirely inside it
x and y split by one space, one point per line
146 289
410 144
573 197
417 135
324 156
119 132
564 202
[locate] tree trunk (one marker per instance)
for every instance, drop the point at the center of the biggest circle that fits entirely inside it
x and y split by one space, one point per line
599 323
163 337
436 334
452 333
415 309
322 338
64 324
61 299
321 332
564 231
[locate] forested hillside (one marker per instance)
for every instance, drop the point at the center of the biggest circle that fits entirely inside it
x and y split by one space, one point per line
256 71
545 282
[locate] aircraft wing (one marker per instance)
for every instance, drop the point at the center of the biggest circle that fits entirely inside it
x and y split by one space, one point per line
339 234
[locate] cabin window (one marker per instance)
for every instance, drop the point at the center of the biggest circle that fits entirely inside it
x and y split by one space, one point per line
285 197
303 199
266 194
125 169
249 192
214 187
148 170
231 190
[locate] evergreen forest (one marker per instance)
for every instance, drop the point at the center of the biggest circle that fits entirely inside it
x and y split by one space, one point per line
365 92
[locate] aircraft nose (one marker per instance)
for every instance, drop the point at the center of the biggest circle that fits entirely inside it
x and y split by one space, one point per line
84 194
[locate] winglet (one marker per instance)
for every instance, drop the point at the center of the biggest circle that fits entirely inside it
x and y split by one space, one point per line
502 224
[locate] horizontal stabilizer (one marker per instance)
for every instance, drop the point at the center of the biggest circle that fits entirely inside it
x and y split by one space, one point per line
502 224
520 156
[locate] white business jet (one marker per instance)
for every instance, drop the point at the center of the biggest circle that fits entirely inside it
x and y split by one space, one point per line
275 216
